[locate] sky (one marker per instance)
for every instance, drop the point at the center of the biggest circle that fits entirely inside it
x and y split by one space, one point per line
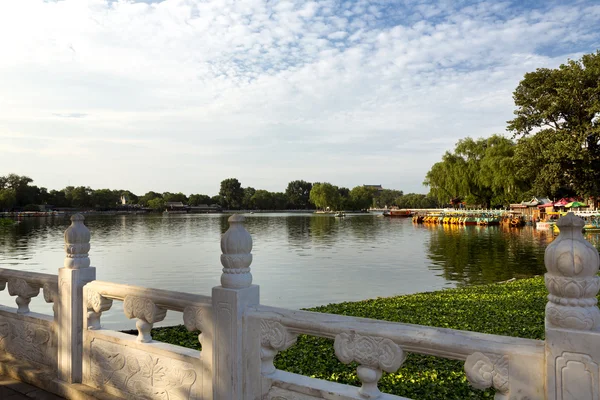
177 95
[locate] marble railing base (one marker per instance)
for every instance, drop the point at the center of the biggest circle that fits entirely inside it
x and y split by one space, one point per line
45 379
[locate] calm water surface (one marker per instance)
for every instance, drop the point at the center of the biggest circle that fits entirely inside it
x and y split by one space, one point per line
299 260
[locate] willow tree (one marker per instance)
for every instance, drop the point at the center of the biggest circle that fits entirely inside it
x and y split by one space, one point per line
478 171
558 112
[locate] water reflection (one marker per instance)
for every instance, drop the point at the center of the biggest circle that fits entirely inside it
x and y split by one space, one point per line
299 260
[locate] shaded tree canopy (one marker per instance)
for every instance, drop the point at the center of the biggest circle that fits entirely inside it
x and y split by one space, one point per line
479 171
558 116
231 193
298 194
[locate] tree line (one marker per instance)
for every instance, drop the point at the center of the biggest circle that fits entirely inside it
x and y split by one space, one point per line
17 192
554 150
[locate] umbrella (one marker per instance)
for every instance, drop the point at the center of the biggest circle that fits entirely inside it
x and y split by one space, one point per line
575 204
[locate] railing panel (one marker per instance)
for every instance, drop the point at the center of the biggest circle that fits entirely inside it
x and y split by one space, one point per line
510 365
28 338
118 364
129 366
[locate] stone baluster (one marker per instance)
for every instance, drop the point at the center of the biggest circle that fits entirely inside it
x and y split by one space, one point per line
147 314
198 318
71 279
96 304
236 342
24 292
572 315
373 354
274 338
51 296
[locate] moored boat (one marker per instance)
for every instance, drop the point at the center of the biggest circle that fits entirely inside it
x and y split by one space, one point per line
398 213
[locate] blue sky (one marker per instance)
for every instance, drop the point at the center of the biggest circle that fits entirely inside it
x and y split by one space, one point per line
177 95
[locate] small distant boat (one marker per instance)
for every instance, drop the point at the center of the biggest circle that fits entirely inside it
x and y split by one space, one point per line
397 213
340 214
544 225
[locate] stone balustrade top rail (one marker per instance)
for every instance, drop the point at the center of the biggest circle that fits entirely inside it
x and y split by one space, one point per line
34 278
168 299
442 342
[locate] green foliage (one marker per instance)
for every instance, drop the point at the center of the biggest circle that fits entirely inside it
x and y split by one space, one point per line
481 172
197 199
157 203
512 309
8 199
5 222
231 193
416 200
325 195
104 198
298 194
149 196
386 198
362 197
262 200
175 197
247 202
563 103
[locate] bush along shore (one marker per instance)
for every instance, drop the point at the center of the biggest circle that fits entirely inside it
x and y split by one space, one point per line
512 309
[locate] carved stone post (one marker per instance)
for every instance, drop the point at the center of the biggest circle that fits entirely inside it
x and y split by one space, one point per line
71 279
236 341
572 315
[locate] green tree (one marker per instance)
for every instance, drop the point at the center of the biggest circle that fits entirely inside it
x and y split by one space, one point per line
104 198
197 199
80 196
362 197
247 199
175 197
298 194
157 203
386 198
57 198
416 200
8 199
263 200
325 195
562 105
231 193
131 197
145 199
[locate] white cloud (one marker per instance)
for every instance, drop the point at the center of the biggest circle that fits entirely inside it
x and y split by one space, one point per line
122 94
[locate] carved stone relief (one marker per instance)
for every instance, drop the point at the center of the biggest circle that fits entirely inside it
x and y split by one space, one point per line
572 264
147 314
488 370
274 337
140 375
96 305
193 319
24 292
28 341
374 354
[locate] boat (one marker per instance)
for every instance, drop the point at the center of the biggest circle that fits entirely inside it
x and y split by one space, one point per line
397 213
340 214
544 225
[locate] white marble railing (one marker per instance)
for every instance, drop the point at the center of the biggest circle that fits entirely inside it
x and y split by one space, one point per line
72 355
26 285
381 346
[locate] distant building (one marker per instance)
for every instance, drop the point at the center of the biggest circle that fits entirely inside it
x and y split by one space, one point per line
175 205
124 200
379 188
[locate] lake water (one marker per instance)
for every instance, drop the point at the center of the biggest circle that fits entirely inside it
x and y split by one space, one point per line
299 260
